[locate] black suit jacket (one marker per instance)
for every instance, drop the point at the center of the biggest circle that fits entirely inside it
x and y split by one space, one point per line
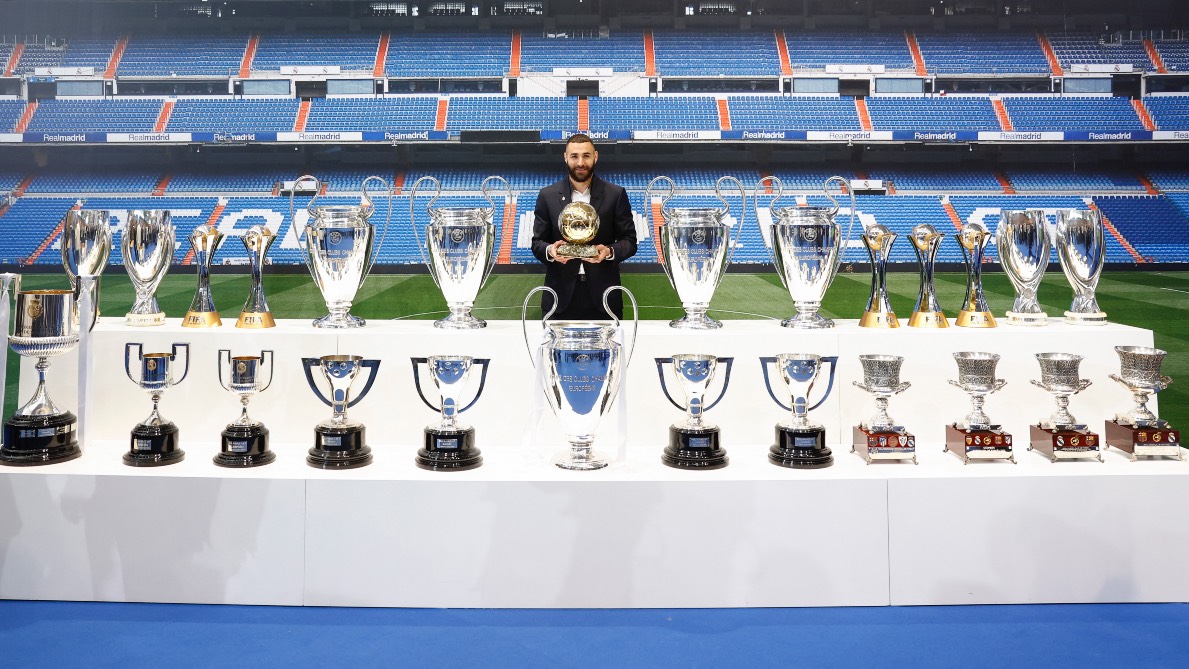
617 230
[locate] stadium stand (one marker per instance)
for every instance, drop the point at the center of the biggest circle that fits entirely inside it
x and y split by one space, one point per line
183 56
948 180
519 113
39 55
1057 114
715 54
674 113
89 53
982 53
402 114
1170 112
1087 49
623 52
1174 53
1153 224
352 52
10 113
771 112
814 51
987 209
82 182
448 54
101 115
1167 179
239 115
1058 180
932 113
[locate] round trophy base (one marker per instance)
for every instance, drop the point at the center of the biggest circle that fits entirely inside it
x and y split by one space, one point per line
1028 319
695 321
807 321
878 319
154 446
245 446
339 321
1095 318
800 448
460 321
339 448
975 319
39 440
202 319
145 320
928 319
581 460
449 450
694 448
255 320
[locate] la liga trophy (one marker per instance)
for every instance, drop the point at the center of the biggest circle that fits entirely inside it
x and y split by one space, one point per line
154 440
340 443
878 240
205 240
975 437
245 441
256 313
800 444
1139 433
449 445
879 437
694 443
1081 250
147 247
1023 242
1062 437
927 313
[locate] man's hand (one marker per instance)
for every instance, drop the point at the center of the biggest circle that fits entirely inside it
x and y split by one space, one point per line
552 253
602 253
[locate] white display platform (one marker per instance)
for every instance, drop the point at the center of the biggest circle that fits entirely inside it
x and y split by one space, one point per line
518 532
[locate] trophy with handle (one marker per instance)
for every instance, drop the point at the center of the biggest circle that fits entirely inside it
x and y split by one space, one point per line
973 239
86 246
879 239
1139 433
927 313
147 248
155 440
879 437
449 445
1062 437
800 444
975 437
340 443
1023 242
1081 250
245 441
256 313
205 240
694 443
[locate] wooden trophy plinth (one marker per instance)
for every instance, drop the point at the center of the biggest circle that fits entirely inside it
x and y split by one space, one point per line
982 444
1064 443
888 444
1149 441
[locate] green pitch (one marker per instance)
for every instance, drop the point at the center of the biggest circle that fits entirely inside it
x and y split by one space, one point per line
1155 300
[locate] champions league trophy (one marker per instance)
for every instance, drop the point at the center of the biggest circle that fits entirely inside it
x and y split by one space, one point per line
1062 437
338 250
580 365
879 438
973 239
927 313
155 439
807 249
974 437
86 246
1139 432
449 445
245 441
147 247
696 246
694 443
255 313
340 443
799 443
1023 242
1081 250
205 240
459 250
879 239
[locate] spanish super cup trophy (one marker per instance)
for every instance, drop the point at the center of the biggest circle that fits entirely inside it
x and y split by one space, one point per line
927 313
807 248
973 239
86 246
338 250
799 443
696 246
1023 243
459 249
340 443
256 313
245 441
449 444
975 437
694 443
879 437
1081 250
1062 437
879 239
205 240
41 433
147 248
1139 432
154 440
580 366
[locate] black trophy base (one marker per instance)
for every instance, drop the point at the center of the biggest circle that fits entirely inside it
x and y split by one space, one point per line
339 448
449 450
39 440
694 448
800 448
154 446
244 446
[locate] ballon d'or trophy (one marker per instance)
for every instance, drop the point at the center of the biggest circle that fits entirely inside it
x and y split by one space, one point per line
694 443
255 313
245 441
449 445
879 239
973 239
879 438
147 248
339 443
799 443
86 246
1062 437
1080 249
927 313
205 241
975 437
1139 432
579 223
154 440
1023 241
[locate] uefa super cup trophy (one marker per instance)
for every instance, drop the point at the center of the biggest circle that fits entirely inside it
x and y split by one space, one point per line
1062 437
1023 243
927 313
459 250
245 441
205 240
256 313
340 443
975 437
449 444
696 246
86 246
154 440
973 239
580 365
807 248
1139 432
338 250
799 443
879 239
694 443
1081 250
41 433
147 247
879 438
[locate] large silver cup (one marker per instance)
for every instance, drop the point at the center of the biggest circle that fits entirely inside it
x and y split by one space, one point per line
1023 244
1082 252
976 377
458 247
881 378
878 240
1139 372
256 313
1059 376
205 240
147 247
973 239
696 246
807 248
927 313
86 246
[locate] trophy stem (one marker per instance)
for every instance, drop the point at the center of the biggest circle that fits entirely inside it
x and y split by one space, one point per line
581 456
40 404
881 419
461 318
1061 417
807 316
340 317
1141 415
977 419
695 318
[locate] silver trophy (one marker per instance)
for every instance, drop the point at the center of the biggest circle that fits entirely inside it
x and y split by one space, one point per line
973 239
147 247
154 440
256 313
338 250
696 246
879 437
974 437
459 249
205 240
878 240
927 313
800 444
694 443
1062 436
807 248
580 367
450 445
86 246
1023 244
1139 432
1081 250
44 326
245 441
340 443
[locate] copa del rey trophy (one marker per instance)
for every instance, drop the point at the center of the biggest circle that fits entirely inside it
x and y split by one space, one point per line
1081 250
696 246
694 443
879 239
154 440
975 437
1139 432
879 437
1062 437
799 443
205 240
147 247
450 445
340 443
1023 242
245 441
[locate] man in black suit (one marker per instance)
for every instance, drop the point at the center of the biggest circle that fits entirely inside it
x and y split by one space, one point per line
580 283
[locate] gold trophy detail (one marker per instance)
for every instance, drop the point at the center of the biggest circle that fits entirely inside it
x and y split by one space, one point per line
255 313
579 223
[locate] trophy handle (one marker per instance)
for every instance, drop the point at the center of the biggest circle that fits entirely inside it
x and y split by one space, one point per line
833 360
417 362
760 186
422 243
524 317
726 381
10 285
742 216
128 366
173 356
271 359
383 235
482 362
766 360
491 255
304 239
635 315
648 192
224 354
487 191
850 229
1038 384
374 366
660 370
309 364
